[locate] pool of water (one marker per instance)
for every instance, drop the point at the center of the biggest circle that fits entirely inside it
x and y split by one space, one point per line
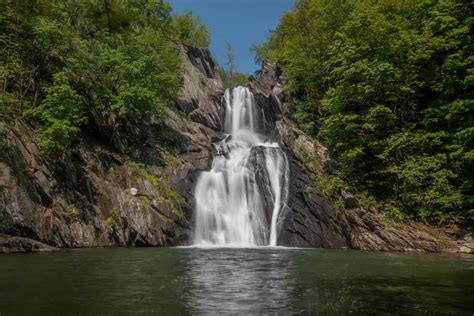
172 281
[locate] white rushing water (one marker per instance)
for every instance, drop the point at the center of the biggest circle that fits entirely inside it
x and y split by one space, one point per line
239 200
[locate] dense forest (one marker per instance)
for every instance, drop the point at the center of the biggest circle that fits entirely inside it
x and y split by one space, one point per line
388 86
70 65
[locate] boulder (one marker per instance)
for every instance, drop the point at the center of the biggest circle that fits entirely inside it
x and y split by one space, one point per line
12 244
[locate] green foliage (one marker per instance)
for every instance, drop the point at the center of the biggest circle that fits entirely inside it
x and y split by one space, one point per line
125 75
190 31
113 221
426 184
305 113
240 79
331 187
73 64
394 214
223 74
15 72
391 82
73 213
262 52
167 137
161 189
61 112
162 186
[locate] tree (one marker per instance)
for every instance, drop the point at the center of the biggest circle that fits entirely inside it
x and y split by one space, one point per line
70 66
388 86
240 79
229 62
190 31
62 112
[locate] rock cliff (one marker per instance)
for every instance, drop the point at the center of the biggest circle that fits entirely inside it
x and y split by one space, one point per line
133 190
136 187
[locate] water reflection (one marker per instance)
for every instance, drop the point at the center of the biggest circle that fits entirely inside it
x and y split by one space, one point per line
231 281
177 281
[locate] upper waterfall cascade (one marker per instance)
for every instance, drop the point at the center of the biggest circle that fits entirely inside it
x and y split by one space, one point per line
239 201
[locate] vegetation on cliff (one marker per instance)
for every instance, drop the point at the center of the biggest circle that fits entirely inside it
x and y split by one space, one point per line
388 85
72 64
239 79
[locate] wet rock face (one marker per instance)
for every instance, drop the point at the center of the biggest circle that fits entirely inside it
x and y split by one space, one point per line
310 220
257 167
131 190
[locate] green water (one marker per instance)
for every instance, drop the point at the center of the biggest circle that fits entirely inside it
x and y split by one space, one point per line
171 281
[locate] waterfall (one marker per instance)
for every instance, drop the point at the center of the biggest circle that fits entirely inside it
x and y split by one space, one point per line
239 200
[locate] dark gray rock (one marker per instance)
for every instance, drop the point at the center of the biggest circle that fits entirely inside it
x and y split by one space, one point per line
257 166
309 220
201 58
202 90
267 90
12 244
350 201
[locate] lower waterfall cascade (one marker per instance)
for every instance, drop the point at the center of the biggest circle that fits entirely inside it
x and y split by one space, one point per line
239 201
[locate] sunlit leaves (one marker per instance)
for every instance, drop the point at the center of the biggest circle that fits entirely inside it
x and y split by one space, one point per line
391 82
62 112
81 64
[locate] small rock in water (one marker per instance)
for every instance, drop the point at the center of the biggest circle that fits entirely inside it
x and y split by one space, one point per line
350 201
464 249
133 191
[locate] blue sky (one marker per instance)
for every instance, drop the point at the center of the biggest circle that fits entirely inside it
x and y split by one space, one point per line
242 23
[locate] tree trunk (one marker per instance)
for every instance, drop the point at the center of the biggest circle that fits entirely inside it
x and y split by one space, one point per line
106 5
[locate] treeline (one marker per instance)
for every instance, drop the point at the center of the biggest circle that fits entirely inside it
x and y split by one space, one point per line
69 64
238 78
389 87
